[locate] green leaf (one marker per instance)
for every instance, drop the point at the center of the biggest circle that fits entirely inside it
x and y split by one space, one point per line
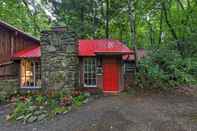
37 112
27 116
20 118
41 117
32 119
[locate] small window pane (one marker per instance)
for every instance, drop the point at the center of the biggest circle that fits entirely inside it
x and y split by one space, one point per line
30 74
90 72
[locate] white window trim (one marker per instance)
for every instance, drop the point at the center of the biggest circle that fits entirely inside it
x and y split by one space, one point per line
84 84
89 86
30 87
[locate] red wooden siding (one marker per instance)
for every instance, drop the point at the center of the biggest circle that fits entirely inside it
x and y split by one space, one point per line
11 42
9 70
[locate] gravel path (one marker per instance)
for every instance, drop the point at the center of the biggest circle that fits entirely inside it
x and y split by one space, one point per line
120 113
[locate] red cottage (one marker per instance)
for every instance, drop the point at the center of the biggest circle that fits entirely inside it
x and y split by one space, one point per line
104 64
101 64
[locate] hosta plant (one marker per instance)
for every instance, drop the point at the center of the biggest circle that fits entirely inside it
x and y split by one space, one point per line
39 107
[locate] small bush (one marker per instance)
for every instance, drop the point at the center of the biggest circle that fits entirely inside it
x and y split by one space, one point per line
165 69
80 99
26 111
5 96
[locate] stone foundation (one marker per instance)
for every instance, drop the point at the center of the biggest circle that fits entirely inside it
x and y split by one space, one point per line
8 86
59 59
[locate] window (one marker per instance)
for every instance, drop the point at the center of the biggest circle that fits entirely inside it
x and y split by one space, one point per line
89 72
129 66
30 74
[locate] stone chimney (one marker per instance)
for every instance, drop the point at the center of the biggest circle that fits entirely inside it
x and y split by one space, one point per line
59 59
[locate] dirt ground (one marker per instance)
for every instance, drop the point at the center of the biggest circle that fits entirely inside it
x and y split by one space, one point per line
121 113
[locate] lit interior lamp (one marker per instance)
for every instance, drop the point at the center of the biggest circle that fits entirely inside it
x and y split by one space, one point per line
28 73
28 79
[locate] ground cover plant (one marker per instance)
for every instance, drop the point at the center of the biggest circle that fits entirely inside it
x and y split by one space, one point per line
30 108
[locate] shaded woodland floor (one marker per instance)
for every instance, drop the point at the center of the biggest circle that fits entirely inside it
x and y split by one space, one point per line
121 113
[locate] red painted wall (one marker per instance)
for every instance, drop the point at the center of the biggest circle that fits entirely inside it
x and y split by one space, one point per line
99 77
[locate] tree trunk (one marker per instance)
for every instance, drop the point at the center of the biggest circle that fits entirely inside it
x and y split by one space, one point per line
151 34
132 22
107 20
160 27
82 21
94 19
173 32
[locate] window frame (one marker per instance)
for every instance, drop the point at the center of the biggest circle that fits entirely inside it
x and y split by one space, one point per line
91 72
24 75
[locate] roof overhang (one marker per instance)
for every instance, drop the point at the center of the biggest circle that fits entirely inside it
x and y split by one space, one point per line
131 57
34 52
113 53
102 47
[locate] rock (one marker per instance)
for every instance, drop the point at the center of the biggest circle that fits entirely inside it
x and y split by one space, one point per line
51 48
8 87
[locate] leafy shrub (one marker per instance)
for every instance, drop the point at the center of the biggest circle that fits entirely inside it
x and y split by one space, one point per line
26 111
80 99
165 69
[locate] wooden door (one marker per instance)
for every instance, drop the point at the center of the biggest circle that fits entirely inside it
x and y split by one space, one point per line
110 75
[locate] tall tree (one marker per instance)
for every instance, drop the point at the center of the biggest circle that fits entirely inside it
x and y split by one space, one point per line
160 26
132 20
25 15
172 30
107 19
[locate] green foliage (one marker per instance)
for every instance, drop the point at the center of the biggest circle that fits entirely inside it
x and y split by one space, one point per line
20 14
165 69
40 99
39 107
79 100
26 111
60 110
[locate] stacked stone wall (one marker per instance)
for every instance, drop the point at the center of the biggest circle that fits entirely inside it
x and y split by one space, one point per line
59 59
8 86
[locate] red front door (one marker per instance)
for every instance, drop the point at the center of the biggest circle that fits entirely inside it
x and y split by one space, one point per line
110 75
